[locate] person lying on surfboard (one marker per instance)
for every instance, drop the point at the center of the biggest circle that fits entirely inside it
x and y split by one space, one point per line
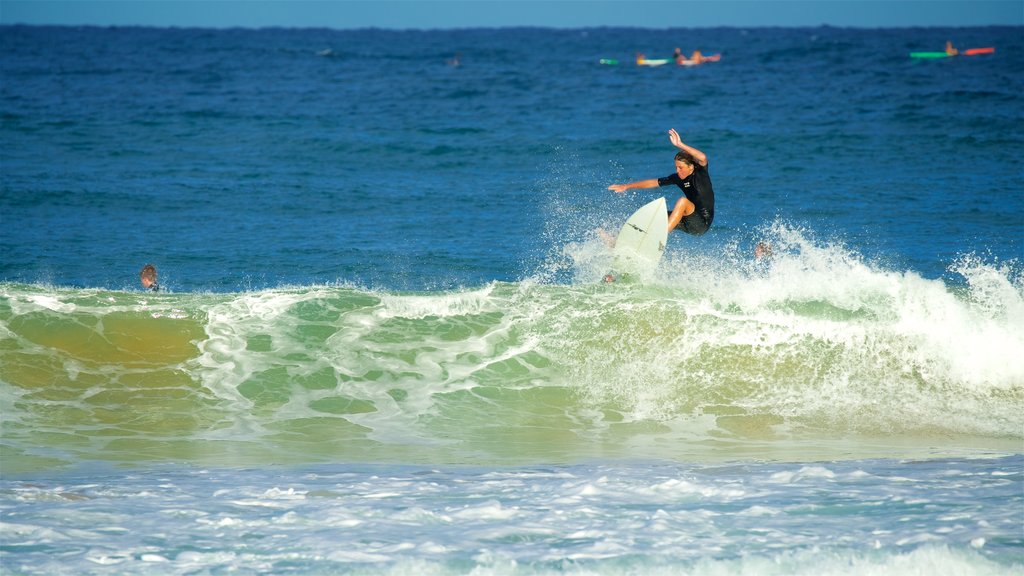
695 210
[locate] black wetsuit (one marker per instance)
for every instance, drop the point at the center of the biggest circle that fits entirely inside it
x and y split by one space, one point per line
697 188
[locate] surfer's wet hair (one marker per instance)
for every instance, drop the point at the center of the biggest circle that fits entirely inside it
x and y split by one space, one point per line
685 158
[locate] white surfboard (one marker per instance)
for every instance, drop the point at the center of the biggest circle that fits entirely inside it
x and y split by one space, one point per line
642 240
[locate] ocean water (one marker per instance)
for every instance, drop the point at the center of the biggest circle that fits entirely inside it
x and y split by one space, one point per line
384 346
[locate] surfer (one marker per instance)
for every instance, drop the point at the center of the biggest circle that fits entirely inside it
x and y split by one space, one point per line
950 50
695 210
148 278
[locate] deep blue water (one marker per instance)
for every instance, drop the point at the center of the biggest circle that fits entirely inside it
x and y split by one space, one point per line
384 347
250 158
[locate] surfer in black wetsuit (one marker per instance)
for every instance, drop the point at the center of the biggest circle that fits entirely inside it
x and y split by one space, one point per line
148 278
695 210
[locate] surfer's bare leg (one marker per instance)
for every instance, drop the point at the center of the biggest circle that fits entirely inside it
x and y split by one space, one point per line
606 237
683 208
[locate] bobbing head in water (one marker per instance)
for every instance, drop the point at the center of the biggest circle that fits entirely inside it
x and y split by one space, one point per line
148 277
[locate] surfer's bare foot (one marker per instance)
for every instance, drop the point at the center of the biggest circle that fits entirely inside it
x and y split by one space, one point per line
606 237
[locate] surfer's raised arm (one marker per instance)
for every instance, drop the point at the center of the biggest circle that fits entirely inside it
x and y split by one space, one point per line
652 183
700 157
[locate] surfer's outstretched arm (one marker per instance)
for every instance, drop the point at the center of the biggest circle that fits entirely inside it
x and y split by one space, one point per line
652 183
700 157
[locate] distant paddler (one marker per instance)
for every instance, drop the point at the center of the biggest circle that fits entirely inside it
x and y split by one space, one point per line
642 60
696 58
951 51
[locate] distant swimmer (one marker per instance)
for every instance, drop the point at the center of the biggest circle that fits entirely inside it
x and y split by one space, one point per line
695 210
148 278
762 251
696 58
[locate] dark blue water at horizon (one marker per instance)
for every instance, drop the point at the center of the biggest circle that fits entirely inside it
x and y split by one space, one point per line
238 159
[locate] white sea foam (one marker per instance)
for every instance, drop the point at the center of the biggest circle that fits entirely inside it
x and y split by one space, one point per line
442 305
818 342
646 518
830 339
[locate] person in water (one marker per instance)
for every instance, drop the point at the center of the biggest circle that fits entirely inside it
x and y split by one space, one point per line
950 50
695 210
148 278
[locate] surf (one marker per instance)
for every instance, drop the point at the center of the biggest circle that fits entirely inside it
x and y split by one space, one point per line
710 356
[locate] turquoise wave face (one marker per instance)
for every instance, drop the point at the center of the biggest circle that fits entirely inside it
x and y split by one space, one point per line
814 354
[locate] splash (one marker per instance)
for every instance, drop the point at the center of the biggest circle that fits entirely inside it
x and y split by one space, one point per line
722 355
813 336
